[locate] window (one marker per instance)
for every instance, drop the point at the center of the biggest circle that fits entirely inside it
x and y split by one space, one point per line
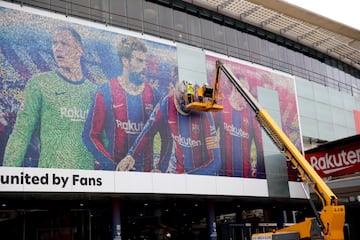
180 27
99 10
243 44
80 8
151 22
219 38
232 42
165 22
194 31
254 47
134 15
281 58
118 13
207 34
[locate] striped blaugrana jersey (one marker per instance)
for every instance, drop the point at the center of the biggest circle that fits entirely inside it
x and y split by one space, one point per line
189 142
240 142
121 116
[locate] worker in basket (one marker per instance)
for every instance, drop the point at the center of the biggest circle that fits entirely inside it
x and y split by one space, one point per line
200 93
190 92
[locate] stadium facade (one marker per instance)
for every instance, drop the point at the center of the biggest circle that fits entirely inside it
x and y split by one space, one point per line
195 175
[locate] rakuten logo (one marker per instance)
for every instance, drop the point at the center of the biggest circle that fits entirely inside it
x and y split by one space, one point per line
234 131
130 127
186 142
74 114
335 162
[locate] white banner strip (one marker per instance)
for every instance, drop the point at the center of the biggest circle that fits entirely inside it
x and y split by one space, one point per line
17 179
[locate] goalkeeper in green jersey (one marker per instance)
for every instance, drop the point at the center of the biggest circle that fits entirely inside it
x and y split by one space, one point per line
55 105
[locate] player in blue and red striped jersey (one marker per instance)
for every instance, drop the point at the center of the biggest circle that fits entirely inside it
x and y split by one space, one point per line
120 109
188 139
240 136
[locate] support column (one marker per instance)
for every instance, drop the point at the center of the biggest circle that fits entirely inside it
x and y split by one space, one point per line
281 218
211 221
116 223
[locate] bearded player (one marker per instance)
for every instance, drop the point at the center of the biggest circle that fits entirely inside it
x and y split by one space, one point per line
120 110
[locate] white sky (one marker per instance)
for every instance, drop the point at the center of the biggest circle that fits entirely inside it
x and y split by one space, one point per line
344 11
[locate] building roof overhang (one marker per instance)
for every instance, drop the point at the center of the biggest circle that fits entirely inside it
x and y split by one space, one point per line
325 35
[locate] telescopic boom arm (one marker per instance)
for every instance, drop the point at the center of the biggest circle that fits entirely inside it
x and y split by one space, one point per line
332 216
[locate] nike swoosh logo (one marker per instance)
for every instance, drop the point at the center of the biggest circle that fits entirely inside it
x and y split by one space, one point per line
335 170
171 122
59 93
118 105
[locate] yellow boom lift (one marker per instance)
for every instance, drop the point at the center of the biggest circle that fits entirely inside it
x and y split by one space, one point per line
209 100
326 225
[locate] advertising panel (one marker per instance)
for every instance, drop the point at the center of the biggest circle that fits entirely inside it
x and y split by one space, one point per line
77 97
336 158
240 137
71 93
